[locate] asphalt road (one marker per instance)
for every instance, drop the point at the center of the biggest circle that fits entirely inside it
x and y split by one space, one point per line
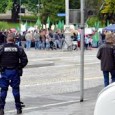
50 76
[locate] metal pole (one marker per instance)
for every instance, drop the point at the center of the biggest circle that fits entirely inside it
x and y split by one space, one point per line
82 54
67 11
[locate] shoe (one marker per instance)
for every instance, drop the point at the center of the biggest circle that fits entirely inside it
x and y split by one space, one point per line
1 111
19 111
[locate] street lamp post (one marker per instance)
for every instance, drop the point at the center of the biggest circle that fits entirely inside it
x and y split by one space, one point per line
82 53
68 42
67 11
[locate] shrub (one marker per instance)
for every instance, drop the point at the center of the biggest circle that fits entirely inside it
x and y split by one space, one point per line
29 18
6 25
3 25
91 21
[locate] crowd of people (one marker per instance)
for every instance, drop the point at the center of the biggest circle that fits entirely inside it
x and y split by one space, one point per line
46 39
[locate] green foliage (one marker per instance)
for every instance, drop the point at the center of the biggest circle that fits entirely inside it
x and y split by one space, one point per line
74 4
3 25
3 5
9 5
109 6
91 21
31 5
94 21
51 8
6 25
29 18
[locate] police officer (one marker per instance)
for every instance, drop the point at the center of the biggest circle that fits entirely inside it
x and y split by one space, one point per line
12 60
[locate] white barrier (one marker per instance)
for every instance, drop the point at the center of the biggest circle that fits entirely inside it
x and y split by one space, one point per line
105 104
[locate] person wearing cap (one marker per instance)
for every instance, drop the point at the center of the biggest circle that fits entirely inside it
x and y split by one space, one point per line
12 60
106 56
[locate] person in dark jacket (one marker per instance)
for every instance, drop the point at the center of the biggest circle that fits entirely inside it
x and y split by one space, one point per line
105 54
2 38
12 60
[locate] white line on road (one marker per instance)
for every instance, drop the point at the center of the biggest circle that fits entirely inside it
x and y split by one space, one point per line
48 105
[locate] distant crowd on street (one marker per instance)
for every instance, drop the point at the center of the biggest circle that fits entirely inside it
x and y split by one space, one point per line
47 39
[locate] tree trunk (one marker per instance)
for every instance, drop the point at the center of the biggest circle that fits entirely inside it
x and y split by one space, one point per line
15 11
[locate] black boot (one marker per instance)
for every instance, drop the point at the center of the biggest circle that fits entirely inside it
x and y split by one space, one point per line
19 111
1 111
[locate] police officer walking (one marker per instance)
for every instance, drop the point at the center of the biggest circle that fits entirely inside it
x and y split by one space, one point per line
12 60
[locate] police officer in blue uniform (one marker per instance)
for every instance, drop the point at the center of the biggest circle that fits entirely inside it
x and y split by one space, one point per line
12 60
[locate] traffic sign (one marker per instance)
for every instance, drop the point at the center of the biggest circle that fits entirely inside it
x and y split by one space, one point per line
61 14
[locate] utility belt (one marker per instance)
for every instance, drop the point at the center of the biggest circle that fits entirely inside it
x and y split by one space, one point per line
20 71
10 68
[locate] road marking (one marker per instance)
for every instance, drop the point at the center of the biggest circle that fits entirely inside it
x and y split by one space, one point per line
58 58
48 105
57 82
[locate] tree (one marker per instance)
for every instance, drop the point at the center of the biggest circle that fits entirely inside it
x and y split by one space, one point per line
93 5
14 6
108 11
74 4
50 9
5 5
31 5
15 10
109 6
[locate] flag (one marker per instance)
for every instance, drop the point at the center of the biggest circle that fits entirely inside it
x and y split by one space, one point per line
52 27
62 24
18 28
97 24
38 23
48 22
26 25
108 23
22 27
59 25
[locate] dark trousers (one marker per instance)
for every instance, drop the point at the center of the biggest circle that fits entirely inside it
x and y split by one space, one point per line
106 77
12 78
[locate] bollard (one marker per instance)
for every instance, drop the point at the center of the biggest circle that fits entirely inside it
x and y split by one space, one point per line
105 104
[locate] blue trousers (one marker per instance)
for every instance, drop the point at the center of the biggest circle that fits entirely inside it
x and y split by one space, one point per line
10 78
106 77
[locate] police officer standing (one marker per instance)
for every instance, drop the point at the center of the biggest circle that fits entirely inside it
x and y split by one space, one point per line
12 60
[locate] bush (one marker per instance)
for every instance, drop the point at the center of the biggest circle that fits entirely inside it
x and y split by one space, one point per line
91 21
7 25
29 18
3 25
